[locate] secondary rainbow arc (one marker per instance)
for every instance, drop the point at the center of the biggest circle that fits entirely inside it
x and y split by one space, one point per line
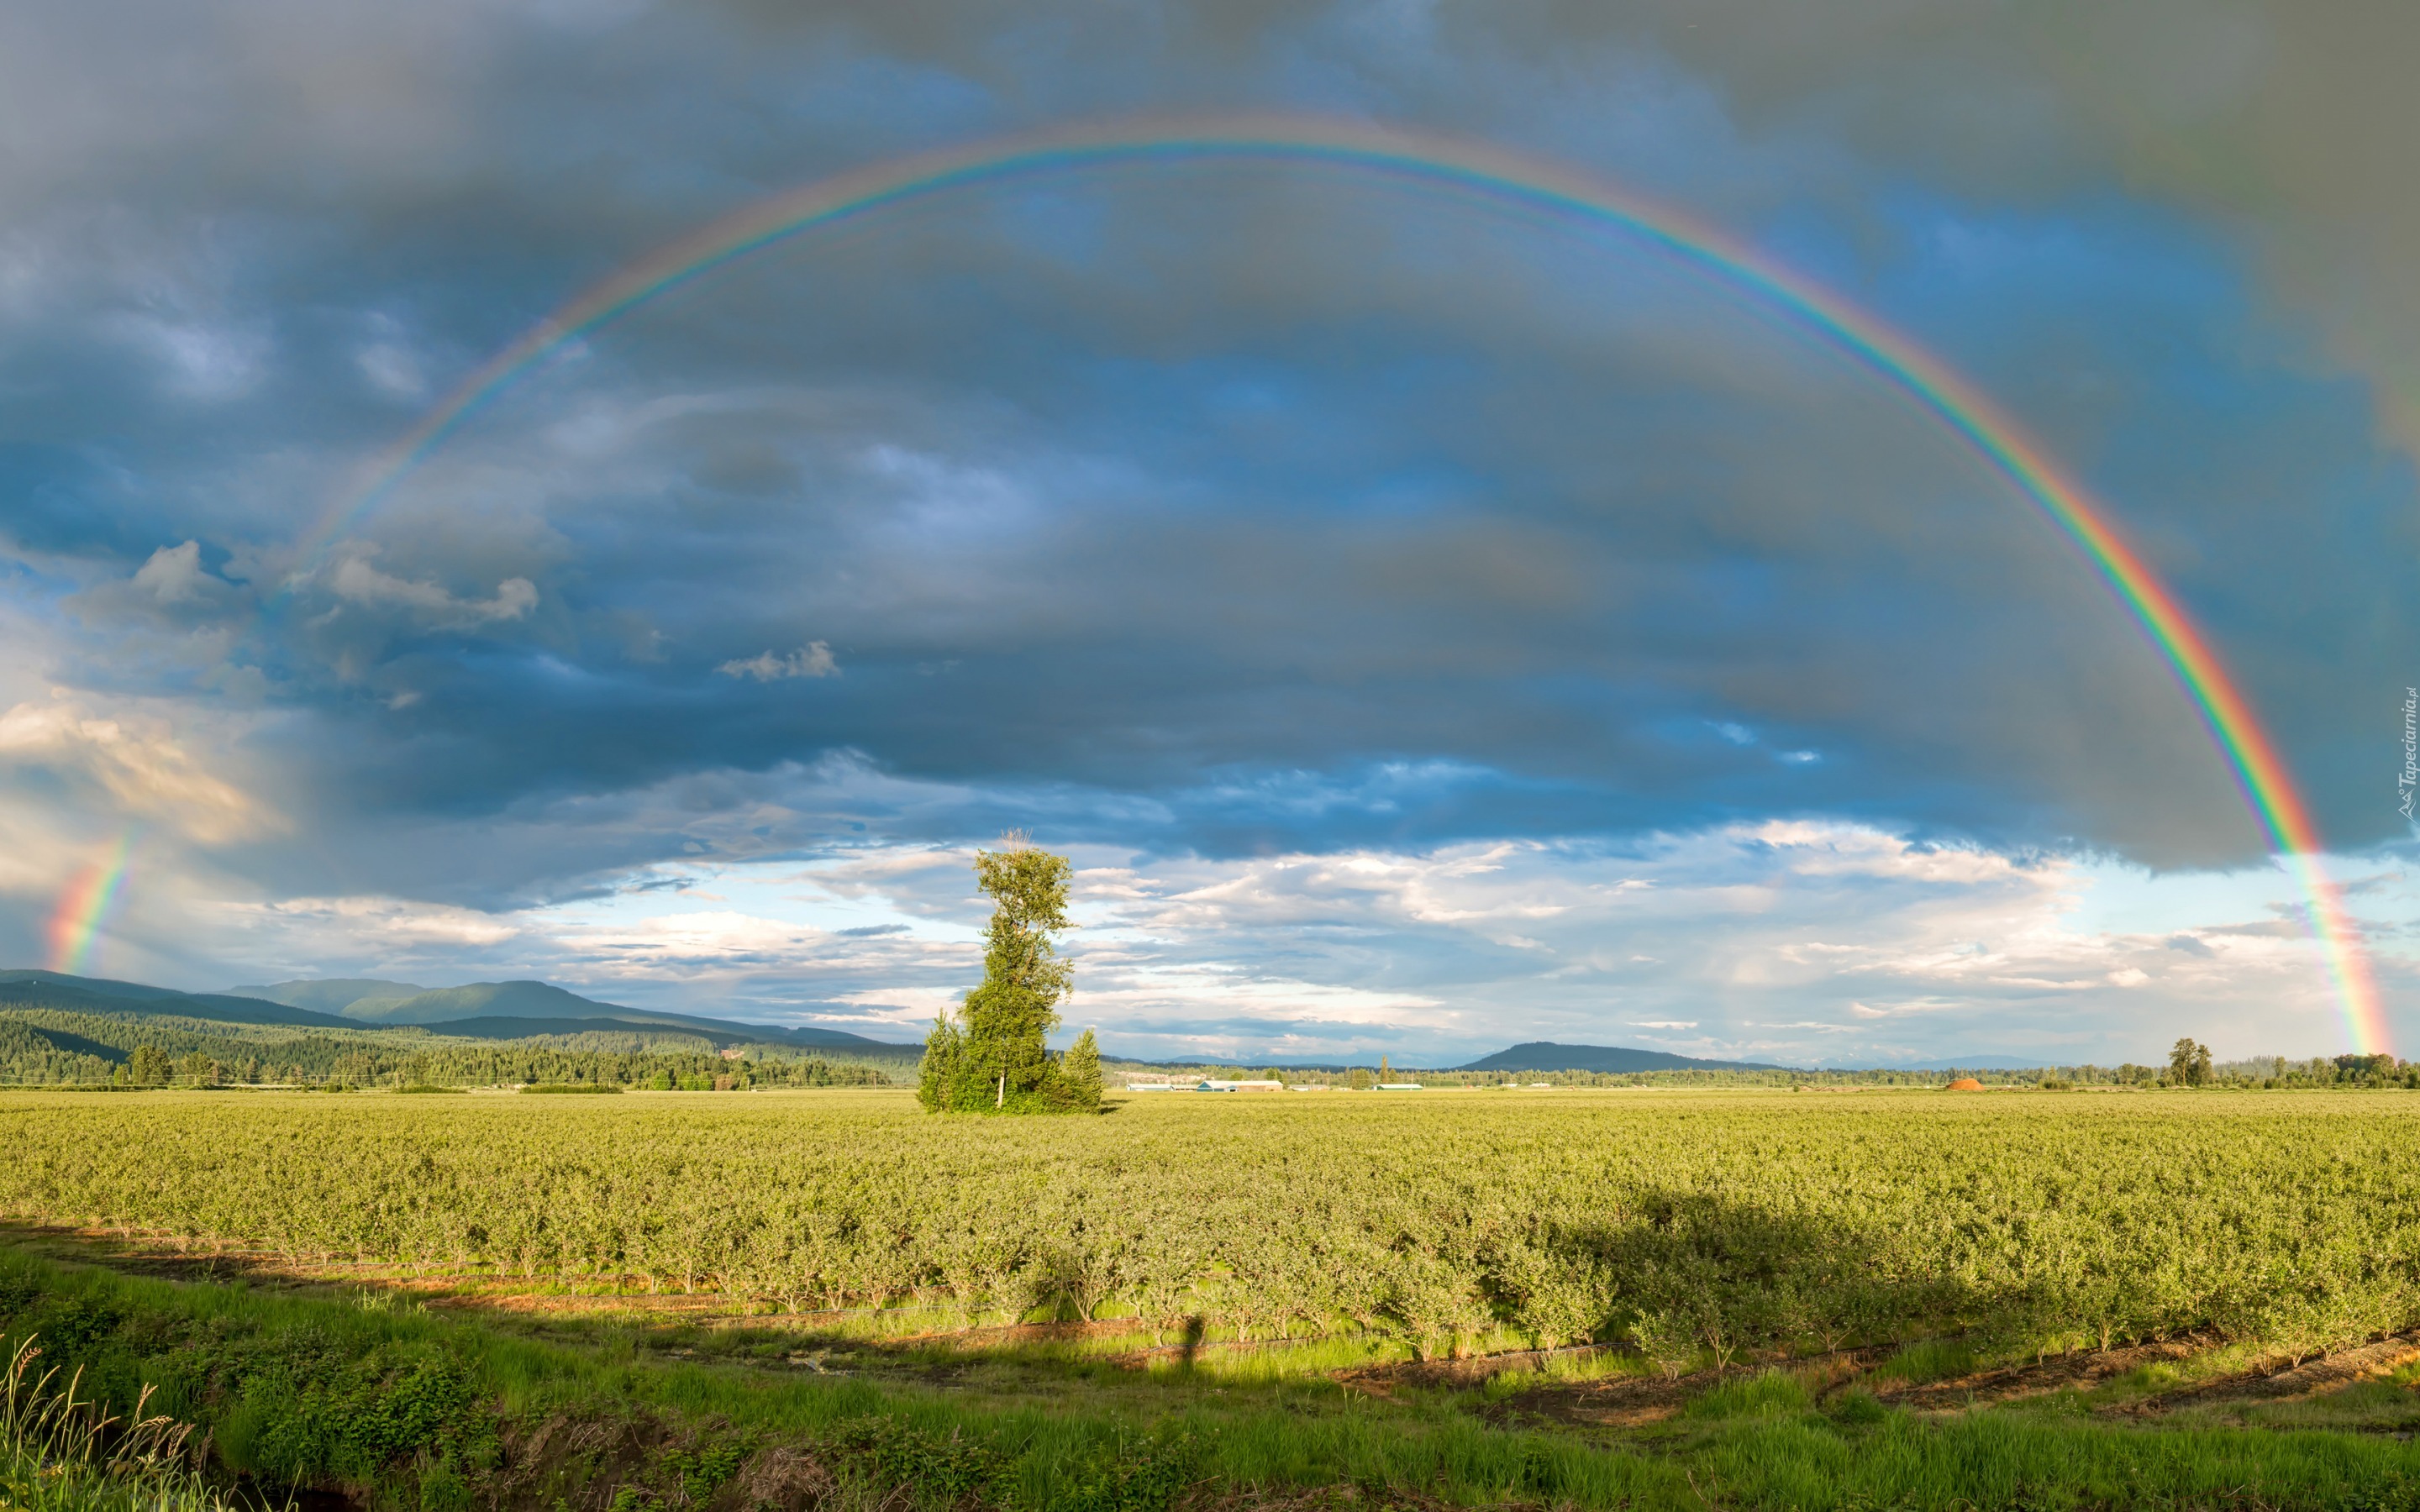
1492 174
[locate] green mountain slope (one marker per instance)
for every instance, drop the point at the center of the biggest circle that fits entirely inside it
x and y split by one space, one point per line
93 995
330 997
482 1011
540 1007
102 986
520 1029
481 999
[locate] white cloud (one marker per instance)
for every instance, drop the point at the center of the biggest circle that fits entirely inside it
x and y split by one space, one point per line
200 359
814 660
905 1005
1830 944
139 767
393 370
387 361
1225 989
355 580
173 575
362 928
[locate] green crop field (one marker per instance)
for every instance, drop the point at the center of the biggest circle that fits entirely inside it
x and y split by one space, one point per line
1720 1224
1707 1241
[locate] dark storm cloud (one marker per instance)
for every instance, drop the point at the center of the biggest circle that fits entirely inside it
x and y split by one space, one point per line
1242 511
1524 527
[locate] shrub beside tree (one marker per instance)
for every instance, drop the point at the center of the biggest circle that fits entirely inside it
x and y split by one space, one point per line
992 1058
1080 1067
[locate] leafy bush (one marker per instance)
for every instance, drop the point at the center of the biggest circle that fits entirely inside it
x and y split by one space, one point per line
891 1452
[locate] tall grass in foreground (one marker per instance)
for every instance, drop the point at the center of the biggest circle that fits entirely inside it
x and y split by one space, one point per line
58 1452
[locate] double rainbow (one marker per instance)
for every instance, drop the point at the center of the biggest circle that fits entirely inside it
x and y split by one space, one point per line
1488 175
76 922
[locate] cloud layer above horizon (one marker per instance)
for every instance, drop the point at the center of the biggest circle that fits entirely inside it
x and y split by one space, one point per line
1345 573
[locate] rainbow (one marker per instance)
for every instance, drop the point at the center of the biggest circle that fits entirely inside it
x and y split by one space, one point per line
76 922
1505 178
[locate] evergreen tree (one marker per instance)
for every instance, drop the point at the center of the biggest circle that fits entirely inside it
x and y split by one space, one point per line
1081 1069
946 1070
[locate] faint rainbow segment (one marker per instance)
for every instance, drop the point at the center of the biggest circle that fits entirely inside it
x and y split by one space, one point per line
75 923
1474 172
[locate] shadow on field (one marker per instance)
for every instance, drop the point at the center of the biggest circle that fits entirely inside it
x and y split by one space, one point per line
158 1258
1620 1319
1688 1273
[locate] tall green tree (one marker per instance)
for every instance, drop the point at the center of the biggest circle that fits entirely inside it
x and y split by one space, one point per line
993 1056
149 1066
2189 1063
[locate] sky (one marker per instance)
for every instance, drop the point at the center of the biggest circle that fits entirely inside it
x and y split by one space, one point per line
1429 624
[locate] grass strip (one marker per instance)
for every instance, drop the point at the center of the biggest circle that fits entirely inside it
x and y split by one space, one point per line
406 1410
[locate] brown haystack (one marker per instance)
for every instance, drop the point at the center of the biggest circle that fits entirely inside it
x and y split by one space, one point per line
1966 1083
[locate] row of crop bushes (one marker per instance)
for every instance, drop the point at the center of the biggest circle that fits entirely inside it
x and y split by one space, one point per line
1726 1225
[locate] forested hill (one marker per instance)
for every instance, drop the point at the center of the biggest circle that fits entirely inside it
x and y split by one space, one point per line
329 996
1545 1056
92 995
55 1028
542 1007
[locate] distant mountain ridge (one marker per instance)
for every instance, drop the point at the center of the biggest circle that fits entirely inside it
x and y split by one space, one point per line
97 995
545 1009
1544 1055
1538 1054
484 999
333 996
483 1010
506 1011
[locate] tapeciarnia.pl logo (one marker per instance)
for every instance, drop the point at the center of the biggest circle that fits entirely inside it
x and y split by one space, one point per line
2409 777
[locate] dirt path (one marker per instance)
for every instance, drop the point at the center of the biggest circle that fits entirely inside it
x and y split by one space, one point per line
2323 1377
2081 1370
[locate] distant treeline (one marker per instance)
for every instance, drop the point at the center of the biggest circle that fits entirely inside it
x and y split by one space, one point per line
2341 1071
50 1048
